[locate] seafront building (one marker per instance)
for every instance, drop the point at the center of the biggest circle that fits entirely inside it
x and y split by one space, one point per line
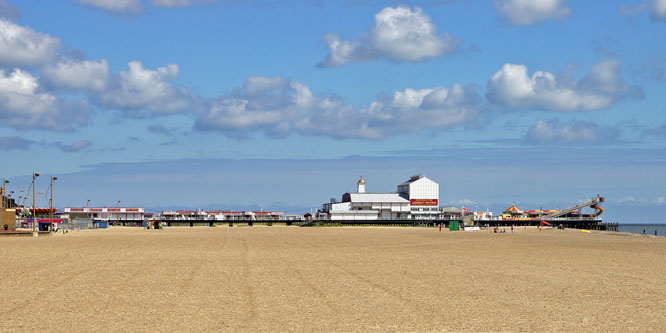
415 199
198 215
105 214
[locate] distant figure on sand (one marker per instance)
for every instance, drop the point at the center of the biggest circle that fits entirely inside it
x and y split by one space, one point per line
512 228
440 227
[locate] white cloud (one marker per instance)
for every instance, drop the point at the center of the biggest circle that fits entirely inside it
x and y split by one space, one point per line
116 6
77 75
554 131
659 10
399 34
141 89
465 202
415 110
659 201
279 106
23 106
344 51
527 12
22 46
402 34
627 200
511 87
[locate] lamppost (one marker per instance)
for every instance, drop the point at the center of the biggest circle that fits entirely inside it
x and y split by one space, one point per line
4 187
10 199
51 202
34 212
89 215
118 214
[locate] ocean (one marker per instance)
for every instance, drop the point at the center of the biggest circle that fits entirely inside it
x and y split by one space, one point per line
648 228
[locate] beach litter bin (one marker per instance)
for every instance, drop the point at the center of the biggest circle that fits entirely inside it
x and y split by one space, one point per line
454 226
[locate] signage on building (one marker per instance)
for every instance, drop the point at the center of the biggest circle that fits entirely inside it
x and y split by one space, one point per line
424 202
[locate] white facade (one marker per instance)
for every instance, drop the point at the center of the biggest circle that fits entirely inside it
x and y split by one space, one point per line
423 194
417 198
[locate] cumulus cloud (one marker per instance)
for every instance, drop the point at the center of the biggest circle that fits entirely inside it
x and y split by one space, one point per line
527 12
279 106
554 131
659 10
116 6
511 87
22 46
141 89
14 143
23 106
76 75
399 34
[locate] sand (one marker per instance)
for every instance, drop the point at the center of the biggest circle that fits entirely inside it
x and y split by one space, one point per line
332 279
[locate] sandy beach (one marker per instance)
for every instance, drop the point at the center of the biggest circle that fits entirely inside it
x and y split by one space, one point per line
332 279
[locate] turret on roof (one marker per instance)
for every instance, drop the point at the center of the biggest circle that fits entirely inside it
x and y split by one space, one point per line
513 209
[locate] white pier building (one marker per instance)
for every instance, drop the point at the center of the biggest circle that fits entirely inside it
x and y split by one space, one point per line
416 199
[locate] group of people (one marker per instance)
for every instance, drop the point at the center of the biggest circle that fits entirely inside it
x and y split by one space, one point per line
503 231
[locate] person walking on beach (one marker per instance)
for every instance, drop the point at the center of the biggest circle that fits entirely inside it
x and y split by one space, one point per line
440 227
512 228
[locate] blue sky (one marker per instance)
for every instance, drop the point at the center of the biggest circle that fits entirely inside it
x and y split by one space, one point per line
283 104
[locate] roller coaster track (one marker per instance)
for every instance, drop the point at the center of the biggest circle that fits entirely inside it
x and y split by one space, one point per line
590 203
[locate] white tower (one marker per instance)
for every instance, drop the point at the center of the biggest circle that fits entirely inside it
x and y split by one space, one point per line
360 185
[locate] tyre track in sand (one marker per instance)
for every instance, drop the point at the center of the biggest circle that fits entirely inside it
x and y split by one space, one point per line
250 303
310 285
406 303
45 290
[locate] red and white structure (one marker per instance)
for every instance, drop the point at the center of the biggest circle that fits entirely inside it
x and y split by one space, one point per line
197 215
105 214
